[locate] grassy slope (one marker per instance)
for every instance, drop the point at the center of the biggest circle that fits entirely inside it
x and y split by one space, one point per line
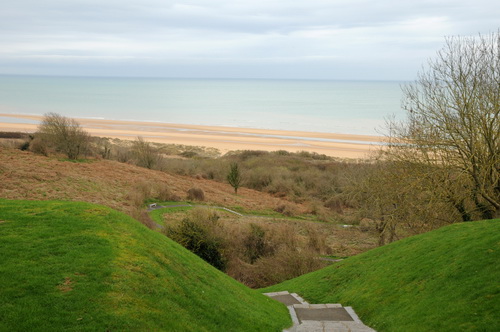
445 280
78 266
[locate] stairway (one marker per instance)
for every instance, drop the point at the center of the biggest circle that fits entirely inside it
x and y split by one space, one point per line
319 317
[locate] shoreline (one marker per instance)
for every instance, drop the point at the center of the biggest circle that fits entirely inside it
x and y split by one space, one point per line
223 138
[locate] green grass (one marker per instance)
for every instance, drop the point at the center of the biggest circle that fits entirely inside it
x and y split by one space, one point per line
157 215
67 266
445 280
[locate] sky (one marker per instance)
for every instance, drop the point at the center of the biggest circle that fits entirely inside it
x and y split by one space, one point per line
274 39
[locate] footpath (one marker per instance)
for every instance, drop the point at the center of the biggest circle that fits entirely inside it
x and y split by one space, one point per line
319 317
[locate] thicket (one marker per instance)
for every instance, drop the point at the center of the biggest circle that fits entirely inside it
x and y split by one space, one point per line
257 255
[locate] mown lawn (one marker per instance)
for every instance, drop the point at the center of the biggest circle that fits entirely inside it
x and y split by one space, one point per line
80 267
445 280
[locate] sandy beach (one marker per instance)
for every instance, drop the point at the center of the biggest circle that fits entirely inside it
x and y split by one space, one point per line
223 138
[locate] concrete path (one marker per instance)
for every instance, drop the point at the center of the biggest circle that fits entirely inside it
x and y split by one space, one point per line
319 317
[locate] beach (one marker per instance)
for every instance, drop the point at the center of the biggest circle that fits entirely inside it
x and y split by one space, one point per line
224 139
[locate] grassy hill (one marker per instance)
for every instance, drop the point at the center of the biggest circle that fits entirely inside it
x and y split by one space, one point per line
77 266
445 280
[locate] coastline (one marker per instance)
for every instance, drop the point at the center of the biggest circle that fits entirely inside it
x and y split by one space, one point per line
223 138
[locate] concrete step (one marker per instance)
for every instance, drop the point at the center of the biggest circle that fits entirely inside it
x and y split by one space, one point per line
332 317
321 326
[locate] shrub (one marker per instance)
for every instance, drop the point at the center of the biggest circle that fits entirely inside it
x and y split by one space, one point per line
285 264
199 233
316 240
103 148
196 194
258 178
64 135
38 146
122 154
335 204
145 154
255 244
286 209
24 146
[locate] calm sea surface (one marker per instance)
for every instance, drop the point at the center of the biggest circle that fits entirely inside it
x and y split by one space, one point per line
357 107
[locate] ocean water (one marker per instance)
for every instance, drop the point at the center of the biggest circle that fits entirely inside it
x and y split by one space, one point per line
352 107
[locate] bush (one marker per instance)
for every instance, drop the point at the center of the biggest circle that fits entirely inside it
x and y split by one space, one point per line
258 178
284 254
38 146
122 154
196 194
199 233
63 135
286 209
145 154
285 265
255 243
335 204
25 146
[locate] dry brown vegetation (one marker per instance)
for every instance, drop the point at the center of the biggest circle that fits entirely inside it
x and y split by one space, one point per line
122 186
261 251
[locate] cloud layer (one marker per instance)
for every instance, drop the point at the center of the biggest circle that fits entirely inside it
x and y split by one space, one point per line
326 39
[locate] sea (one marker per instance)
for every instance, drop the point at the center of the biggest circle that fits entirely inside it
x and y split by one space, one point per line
348 107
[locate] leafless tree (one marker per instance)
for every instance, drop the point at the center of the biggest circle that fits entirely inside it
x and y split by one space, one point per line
453 122
146 155
63 135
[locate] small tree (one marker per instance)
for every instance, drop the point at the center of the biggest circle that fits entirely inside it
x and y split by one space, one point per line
63 135
234 177
145 154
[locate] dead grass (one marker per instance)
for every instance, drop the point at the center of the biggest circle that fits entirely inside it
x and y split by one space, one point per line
25 175
66 285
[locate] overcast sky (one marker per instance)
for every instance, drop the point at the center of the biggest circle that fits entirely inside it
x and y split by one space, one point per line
300 39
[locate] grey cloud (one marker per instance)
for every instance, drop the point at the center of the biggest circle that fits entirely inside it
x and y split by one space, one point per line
76 36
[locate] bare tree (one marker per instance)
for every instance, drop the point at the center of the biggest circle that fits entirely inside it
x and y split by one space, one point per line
398 198
145 154
453 121
63 135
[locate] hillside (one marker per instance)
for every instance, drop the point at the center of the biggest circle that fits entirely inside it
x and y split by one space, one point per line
78 266
444 280
24 175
